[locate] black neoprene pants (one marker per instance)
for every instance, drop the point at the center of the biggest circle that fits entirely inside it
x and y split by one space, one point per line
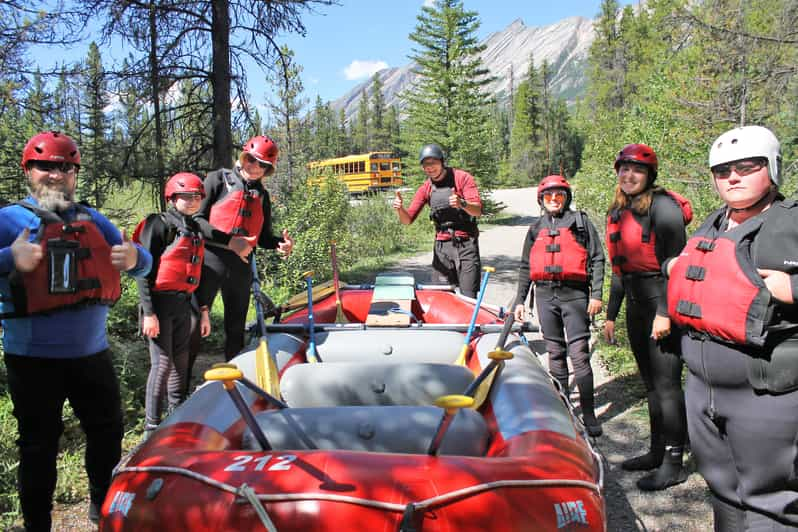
39 387
224 269
660 368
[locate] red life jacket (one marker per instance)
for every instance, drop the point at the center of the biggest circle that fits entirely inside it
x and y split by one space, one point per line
76 268
180 264
240 211
714 288
557 255
631 243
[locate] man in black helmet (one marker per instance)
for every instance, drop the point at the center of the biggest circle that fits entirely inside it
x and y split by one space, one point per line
454 202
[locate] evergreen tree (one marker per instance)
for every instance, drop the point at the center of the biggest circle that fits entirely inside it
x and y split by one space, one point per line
447 104
380 134
361 135
96 155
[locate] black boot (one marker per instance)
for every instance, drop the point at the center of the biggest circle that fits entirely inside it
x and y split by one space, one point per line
670 473
586 402
653 458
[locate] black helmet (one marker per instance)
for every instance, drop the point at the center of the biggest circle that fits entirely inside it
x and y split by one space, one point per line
430 150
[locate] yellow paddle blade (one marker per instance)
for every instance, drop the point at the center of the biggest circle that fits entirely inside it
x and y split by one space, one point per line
482 390
461 359
340 317
300 300
266 375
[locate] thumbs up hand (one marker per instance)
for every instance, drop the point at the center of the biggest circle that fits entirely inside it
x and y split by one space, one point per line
125 255
27 255
397 200
284 248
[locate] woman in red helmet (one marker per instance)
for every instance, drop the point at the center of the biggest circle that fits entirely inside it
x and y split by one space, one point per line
646 226
177 249
235 216
562 255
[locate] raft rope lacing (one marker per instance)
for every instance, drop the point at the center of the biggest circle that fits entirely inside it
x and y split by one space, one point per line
393 507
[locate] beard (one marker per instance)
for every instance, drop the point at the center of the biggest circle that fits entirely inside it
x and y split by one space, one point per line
53 197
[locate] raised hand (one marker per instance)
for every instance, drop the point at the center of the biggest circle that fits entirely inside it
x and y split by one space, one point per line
27 255
125 255
397 200
284 248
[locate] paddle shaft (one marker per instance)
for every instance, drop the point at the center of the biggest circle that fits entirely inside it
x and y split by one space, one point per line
462 358
311 354
508 326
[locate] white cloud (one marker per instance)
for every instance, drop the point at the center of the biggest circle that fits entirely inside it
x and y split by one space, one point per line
358 69
429 3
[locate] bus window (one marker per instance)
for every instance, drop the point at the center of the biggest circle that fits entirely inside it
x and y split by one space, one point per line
373 167
397 166
385 166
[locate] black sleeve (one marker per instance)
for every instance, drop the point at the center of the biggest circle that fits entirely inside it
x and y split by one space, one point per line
616 297
668 223
153 238
524 282
214 189
596 257
267 240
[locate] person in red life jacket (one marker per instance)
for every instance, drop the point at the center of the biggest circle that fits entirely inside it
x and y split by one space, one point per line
60 265
563 256
734 289
174 241
645 226
235 216
455 204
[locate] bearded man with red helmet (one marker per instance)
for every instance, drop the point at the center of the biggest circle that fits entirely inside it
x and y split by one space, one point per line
563 257
235 217
734 290
646 226
60 264
174 240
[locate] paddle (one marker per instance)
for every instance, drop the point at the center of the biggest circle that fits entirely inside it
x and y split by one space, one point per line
461 360
451 404
266 374
311 353
339 310
252 386
480 387
228 376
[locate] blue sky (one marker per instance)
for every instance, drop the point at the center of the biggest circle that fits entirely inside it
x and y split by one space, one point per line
346 44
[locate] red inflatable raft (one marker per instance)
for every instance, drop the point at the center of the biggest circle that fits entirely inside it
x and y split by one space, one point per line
356 442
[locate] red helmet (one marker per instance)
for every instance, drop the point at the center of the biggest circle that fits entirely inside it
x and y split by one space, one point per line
638 153
554 181
183 182
264 150
51 146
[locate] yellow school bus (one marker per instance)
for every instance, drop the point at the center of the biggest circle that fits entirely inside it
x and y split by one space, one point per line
362 173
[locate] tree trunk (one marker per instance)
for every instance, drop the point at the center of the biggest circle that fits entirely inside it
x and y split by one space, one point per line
220 79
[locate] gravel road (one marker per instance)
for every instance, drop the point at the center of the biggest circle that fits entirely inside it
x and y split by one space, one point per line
619 400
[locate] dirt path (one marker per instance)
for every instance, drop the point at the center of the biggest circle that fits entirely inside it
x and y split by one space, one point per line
619 400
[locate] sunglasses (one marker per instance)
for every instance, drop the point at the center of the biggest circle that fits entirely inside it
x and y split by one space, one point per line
187 196
50 166
743 168
555 194
250 159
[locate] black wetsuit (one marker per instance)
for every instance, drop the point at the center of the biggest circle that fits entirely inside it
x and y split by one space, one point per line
742 401
562 306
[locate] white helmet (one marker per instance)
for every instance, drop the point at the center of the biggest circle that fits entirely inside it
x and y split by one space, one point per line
745 143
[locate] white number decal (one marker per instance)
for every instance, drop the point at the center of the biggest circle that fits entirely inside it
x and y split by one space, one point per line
238 463
283 463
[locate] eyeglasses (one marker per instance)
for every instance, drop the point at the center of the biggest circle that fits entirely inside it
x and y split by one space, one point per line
743 168
431 163
187 196
554 194
50 166
250 159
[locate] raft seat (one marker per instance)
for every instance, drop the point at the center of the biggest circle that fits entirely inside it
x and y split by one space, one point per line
371 384
391 346
392 301
378 429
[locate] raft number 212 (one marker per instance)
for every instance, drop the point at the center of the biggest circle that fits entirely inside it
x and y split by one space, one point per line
283 463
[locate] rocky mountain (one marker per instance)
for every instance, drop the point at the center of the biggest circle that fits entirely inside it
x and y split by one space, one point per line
564 45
